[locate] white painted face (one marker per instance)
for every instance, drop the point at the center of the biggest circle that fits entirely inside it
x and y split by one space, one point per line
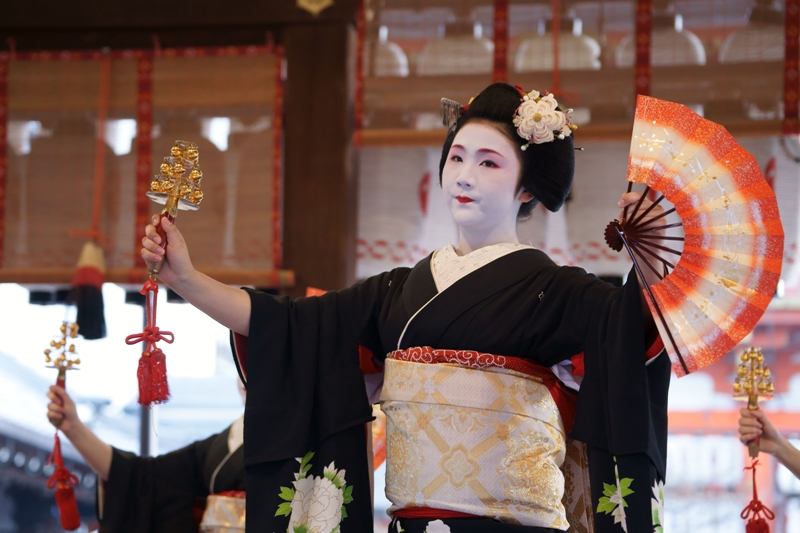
480 179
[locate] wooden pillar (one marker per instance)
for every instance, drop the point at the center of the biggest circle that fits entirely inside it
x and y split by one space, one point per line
320 182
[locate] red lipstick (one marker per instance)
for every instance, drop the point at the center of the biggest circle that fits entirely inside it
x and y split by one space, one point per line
464 199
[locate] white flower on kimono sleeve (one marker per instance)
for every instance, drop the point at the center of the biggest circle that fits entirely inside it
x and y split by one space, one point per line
437 526
330 472
317 505
658 506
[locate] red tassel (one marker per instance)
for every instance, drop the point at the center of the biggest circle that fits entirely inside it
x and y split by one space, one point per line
756 523
152 374
63 479
67 507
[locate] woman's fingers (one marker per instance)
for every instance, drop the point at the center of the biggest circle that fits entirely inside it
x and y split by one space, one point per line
174 235
151 236
152 247
749 423
628 198
750 426
151 231
56 394
747 439
55 413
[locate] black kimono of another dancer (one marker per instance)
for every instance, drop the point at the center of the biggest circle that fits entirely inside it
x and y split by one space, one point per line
157 494
305 390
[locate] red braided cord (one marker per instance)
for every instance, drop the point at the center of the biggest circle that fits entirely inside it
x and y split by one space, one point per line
152 334
755 506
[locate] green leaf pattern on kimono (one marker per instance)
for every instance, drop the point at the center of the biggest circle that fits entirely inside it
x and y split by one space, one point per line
315 504
613 501
658 507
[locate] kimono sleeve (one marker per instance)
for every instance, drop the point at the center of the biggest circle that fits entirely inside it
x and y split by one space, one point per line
302 370
153 494
622 403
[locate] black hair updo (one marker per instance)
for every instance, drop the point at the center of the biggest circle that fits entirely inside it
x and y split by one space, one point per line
547 169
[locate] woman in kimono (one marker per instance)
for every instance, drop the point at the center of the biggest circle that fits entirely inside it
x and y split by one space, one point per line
164 494
476 420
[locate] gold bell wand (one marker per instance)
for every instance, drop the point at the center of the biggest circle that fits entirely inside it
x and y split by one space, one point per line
178 188
62 355
754 382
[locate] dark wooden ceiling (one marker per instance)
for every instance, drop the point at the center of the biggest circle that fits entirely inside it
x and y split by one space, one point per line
93 24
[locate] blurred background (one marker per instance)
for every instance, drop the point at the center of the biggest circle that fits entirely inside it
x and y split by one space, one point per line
320 135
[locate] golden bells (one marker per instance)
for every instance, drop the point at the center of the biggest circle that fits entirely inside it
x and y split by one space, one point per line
61 349
172 182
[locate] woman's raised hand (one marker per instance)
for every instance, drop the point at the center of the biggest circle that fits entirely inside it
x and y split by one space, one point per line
61 411
178 266
629 199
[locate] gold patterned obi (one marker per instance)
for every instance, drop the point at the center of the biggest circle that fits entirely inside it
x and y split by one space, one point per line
466 433
225 513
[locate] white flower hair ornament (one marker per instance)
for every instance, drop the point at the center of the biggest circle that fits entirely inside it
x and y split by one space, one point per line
538 119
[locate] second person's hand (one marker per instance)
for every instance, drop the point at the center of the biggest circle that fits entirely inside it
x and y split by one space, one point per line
61 411
753 424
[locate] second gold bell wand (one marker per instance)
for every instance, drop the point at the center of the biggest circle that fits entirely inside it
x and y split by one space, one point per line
62 356
754 382
178 188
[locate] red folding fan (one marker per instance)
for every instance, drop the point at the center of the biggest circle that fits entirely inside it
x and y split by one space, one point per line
714 290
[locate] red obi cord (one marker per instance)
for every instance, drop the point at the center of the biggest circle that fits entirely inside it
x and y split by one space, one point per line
566 400
430 512
578 366
233 493
152 372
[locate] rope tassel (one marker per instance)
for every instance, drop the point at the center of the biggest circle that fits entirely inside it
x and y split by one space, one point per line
152 372
63 480
754 510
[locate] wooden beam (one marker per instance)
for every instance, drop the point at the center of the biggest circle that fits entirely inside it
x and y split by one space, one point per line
722 89
88 15
721 422
588 133
276 279
320 185
121 24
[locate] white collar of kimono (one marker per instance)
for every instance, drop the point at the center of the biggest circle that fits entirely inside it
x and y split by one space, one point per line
236 435
448 267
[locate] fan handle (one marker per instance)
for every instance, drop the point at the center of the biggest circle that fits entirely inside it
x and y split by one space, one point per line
632 234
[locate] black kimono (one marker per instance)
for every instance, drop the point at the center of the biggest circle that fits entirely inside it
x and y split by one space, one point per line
306 391
157 494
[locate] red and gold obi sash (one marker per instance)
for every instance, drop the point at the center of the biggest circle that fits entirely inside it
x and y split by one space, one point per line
478 434
224 513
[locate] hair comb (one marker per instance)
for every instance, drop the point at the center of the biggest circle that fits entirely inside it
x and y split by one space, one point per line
451 112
